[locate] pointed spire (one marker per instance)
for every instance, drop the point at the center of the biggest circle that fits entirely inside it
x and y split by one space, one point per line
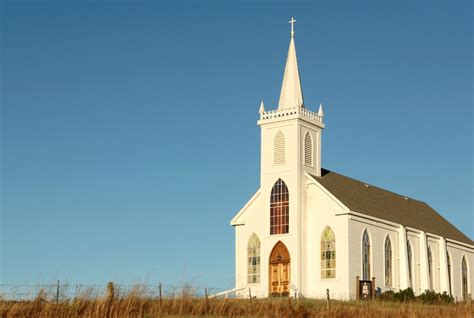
291 94
320 111
262 108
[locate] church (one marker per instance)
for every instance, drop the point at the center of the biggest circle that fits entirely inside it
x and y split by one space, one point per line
308 230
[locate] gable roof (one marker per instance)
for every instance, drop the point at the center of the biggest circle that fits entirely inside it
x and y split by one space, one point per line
367 199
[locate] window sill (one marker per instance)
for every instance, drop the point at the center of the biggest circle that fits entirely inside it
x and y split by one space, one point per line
279 235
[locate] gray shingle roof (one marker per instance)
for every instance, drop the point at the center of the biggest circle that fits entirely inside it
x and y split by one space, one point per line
367 199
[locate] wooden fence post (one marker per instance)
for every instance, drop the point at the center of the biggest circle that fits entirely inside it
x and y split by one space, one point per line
161 297
57 293
327 299
357 288
373 287
250 296
110 291
207 301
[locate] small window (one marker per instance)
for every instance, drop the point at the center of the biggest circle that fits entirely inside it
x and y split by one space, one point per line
430 268
449 272
388 262
365 256
410 265
328 254
308 149
465 291
279 149
253 259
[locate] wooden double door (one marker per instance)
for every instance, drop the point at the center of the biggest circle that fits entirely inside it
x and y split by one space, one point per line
279 271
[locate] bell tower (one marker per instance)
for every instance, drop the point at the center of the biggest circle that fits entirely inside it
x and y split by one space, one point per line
291 134
290 147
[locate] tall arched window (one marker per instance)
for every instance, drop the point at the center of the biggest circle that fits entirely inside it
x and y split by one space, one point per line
279 149
448 258
388 262
253 260
410 265
464 278
365 256
328 254
279 208
430 267
308 149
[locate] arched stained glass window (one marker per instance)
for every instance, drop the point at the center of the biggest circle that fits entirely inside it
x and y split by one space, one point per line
253 260
365 256
464 281
279 149
279 208
430 267
448 258
388 262
328 254
308 149
410 265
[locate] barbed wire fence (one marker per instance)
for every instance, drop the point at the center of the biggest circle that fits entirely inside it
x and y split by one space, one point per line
58 292
63 292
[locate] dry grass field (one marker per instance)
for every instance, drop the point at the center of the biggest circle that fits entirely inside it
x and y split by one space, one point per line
136 304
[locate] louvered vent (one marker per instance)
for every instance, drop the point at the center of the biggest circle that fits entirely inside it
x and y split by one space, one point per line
279 149
308 150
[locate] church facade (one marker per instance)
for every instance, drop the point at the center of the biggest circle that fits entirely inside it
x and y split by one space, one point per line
308 229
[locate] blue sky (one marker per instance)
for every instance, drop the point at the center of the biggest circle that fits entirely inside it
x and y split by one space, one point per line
129 135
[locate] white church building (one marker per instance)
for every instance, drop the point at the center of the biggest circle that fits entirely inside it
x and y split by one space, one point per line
308 229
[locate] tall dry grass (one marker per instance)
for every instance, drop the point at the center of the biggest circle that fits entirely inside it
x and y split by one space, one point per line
136 303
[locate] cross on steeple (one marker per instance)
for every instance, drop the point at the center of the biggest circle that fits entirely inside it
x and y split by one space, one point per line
292 22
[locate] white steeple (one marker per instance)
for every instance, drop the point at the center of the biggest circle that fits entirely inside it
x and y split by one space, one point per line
291 94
